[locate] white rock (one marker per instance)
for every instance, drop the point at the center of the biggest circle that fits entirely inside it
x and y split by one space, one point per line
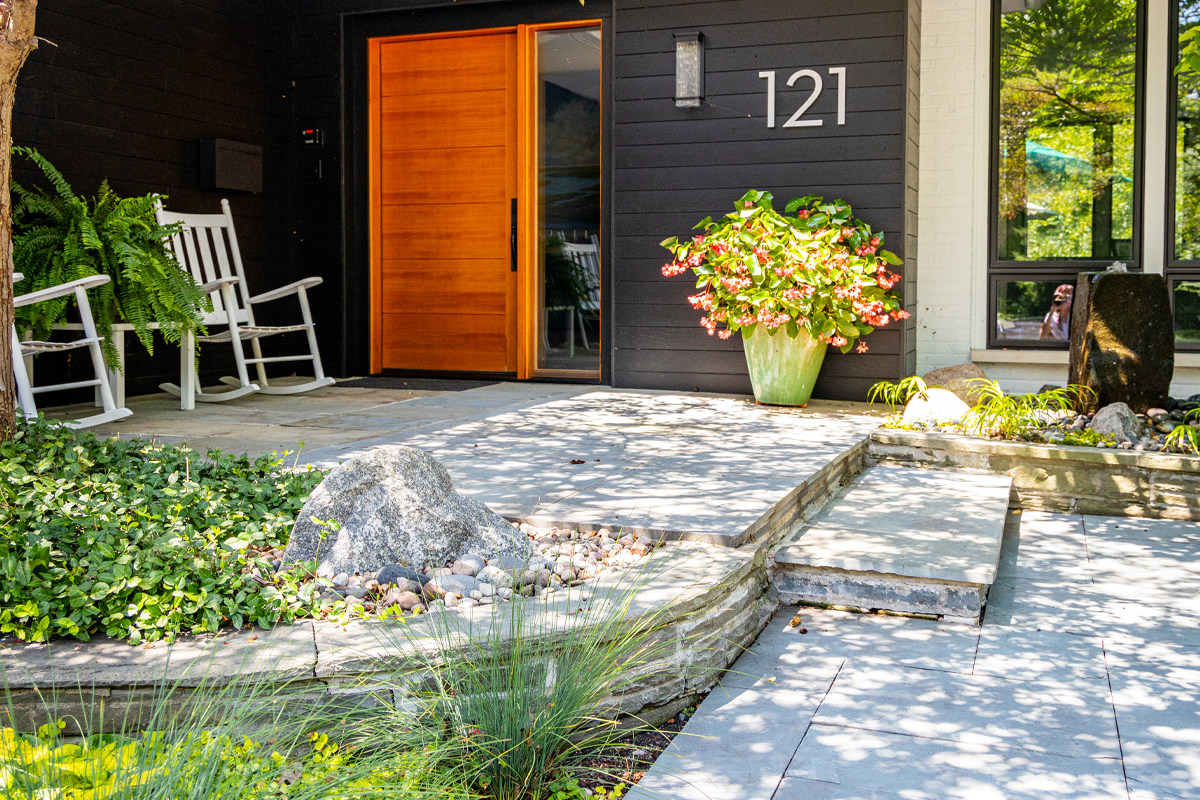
451 600
487 590
504 592
495 576
937 407
476 594
340 579
468 602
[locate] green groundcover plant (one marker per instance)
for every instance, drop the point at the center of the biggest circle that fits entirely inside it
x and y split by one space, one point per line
142 540
822 271
240 741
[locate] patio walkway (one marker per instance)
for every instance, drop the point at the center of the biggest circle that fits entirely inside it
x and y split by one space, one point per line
694 465
1084 682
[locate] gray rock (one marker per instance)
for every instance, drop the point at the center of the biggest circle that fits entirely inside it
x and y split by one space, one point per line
1118 420
391 573
459 584
475 560
396 504
511 562
463 568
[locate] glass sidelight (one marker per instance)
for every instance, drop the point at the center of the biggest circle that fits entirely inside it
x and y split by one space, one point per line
568 200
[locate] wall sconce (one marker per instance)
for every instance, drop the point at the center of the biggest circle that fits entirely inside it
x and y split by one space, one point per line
689 69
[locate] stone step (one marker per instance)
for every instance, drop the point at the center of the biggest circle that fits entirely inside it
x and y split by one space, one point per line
901 539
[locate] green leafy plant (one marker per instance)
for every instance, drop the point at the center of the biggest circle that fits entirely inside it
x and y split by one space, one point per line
142 540
1185 438
821 271
1009 416
897 394
1088 438
59 237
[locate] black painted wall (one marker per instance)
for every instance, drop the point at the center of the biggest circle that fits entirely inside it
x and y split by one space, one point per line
122 90
133 84
674 166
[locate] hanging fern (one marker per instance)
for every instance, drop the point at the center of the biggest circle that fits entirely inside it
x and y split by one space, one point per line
59 237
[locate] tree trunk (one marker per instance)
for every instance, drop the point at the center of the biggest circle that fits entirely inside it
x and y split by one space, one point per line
16 42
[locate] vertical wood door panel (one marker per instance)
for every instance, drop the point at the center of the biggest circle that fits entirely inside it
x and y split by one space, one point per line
446 161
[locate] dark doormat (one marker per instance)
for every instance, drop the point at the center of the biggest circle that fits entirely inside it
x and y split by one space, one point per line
427 384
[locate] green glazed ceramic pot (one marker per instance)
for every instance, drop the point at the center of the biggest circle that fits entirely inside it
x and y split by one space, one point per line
783 370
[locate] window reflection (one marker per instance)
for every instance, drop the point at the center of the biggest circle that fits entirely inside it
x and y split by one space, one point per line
1187 311
1187 151
1066 138
569 198
1034 310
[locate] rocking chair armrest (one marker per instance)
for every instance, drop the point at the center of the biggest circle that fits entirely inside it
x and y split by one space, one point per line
284 291
217 284
62 289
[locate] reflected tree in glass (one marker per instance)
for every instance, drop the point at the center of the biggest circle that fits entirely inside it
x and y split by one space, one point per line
1187 142
1067 100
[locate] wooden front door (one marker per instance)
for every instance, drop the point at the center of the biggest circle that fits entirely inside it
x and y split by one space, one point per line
445 152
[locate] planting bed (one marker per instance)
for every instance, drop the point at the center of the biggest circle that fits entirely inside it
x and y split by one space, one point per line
1089 480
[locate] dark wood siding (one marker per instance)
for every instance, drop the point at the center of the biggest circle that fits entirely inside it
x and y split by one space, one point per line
674 166
123 90
133 84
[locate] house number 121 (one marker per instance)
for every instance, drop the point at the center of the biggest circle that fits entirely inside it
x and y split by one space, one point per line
795 120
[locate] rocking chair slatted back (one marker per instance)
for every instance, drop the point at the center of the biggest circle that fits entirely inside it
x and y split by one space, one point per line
208 249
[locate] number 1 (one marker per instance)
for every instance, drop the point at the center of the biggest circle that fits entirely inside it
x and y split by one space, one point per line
841 76
770 76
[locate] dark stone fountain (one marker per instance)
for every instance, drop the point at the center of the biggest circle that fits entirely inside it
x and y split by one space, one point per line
1122 339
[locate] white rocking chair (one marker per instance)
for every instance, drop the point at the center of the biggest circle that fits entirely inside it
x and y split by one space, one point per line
217 267
21 350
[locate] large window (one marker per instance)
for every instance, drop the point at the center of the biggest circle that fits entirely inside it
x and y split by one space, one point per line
1066 158
1183 260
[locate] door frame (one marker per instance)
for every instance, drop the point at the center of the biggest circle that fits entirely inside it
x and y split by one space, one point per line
528 322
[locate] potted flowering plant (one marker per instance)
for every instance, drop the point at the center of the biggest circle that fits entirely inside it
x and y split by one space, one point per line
792 285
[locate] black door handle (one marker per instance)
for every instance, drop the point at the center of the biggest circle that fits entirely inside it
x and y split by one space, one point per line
513 238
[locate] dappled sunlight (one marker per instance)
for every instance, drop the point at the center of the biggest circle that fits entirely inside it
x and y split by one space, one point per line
916 767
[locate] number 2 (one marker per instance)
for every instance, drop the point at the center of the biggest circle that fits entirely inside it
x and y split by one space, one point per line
818 85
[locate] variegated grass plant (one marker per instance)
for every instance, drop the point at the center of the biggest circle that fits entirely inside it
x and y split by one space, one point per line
524 692
240 740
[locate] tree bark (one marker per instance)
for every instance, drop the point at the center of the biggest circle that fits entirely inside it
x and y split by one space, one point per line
16 42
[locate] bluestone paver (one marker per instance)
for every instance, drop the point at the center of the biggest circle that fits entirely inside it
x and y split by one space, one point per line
1083 682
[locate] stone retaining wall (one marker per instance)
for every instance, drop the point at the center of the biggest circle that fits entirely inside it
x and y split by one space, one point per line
1086 480
706 604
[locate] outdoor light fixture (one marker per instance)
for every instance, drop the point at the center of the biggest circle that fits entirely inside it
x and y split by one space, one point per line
689 69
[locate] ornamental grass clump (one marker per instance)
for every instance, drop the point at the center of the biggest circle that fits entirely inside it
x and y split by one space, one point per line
526 691
237 741
142 540
821 271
